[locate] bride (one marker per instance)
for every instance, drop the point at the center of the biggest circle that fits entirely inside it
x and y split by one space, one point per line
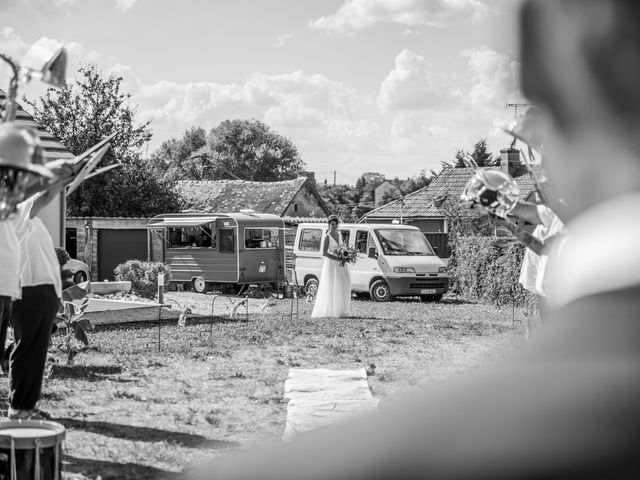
334 291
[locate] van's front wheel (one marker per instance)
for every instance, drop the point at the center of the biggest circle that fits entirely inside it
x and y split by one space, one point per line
380 291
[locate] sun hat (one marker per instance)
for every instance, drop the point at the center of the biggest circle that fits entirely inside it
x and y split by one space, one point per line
21 150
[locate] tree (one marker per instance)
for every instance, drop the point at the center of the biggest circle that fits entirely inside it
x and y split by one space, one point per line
83 113
480 154
174 159
249 150
340 199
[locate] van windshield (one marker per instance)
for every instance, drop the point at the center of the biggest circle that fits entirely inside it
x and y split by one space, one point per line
403 242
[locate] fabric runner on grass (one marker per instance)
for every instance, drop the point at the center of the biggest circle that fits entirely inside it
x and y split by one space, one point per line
319 397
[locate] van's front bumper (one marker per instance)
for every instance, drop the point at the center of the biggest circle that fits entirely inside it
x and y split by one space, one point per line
412 286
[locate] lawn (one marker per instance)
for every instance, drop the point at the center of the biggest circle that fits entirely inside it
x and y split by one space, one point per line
133 410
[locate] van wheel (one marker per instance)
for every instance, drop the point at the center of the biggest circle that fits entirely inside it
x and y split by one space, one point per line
380 291
311 286
431 298
199 285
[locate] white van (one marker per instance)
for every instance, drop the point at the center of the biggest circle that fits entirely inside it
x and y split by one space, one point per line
393 260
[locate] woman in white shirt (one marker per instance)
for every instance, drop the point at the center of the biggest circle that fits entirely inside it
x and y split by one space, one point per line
33 314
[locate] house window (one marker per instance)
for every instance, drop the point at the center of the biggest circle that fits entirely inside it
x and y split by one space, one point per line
295 207
260 237
362 241
345 236
310 240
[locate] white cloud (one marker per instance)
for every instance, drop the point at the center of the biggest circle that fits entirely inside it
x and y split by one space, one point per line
412 85
356 15
13 46
493 77
282 39
124 5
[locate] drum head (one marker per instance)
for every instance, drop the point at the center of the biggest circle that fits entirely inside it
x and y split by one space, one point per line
27 433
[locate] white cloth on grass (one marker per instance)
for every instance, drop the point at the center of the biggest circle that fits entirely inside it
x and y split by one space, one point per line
318 397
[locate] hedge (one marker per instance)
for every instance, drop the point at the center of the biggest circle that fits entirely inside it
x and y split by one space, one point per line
142 275
487 269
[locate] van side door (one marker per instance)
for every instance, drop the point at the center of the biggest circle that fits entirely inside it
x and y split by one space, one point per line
365 267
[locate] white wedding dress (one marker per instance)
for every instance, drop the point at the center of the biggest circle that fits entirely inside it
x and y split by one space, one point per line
333 298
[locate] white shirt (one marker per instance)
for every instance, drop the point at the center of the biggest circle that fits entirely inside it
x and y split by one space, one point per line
39 263
601 254
9 260
533 272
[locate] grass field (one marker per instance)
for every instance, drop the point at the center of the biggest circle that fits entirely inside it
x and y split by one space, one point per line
133 410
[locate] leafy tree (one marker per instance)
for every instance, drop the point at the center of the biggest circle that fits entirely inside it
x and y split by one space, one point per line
82 114
249 150
480 154
174 159
341 200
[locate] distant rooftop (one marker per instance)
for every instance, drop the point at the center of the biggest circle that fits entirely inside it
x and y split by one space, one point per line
447 185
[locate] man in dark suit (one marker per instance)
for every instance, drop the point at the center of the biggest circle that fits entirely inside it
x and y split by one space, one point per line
568 404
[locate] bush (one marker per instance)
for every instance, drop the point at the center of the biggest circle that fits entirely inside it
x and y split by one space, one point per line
487 269
142 275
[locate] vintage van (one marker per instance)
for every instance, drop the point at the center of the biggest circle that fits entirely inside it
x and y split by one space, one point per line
393 260
219 249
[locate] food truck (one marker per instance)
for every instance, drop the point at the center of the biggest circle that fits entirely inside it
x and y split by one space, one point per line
220 250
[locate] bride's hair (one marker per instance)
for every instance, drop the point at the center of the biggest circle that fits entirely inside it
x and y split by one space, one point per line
333 218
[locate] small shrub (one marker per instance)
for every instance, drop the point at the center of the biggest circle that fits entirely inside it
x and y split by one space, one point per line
142 275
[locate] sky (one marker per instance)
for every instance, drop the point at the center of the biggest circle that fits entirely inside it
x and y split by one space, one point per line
389 86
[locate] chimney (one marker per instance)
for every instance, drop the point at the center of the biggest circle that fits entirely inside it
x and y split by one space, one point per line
510 162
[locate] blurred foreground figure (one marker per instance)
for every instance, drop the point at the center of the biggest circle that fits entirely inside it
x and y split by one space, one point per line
568 405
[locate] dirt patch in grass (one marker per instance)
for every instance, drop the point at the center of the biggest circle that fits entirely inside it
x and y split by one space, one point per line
136 409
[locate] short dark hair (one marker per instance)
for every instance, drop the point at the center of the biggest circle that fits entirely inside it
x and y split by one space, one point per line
333 218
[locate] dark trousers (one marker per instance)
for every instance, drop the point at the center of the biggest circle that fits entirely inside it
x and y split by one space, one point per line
5 317
32 318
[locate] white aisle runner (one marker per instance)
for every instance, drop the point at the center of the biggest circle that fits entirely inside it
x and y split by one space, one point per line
319 397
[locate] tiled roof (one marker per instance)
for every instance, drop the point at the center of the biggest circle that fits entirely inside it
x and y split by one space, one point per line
447 185
53 149
235 195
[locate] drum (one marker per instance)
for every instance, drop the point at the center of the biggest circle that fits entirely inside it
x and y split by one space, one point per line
30 449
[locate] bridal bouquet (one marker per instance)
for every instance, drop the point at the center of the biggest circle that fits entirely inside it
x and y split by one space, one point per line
347 255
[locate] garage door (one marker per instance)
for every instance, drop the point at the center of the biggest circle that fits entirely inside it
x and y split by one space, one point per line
118 246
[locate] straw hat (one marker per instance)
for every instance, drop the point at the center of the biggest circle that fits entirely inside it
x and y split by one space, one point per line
21 150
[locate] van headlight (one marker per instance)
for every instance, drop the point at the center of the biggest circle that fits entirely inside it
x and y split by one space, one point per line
442 270
404 270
